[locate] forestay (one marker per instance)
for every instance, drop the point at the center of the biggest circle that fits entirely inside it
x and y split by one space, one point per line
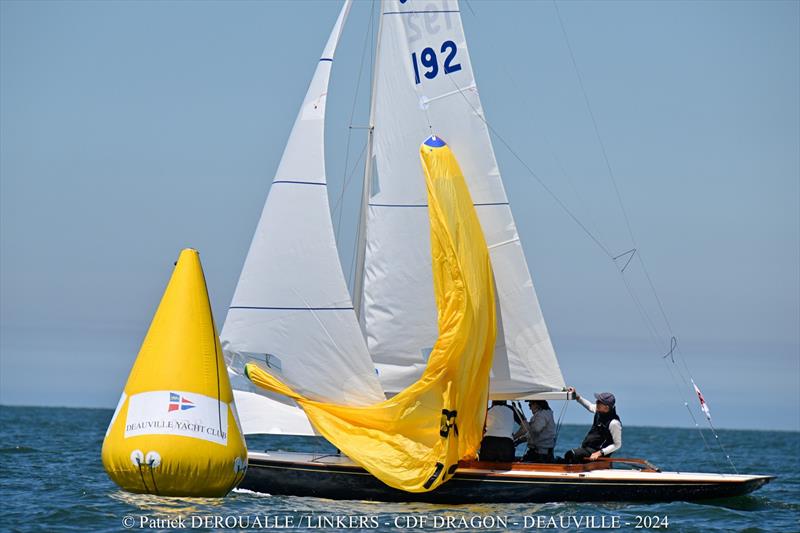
291 312
424 83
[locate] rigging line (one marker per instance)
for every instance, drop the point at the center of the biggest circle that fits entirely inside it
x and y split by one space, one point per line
153 477
354 257
651 327
655 293
614 183
621 203
630 253
673 343
141 475
596 227
708 420
523 420
533 174
352 115
673 347
681 392
663 312
594 123
721 447
608 167
560 422
640 307
581 201
345 183
351 275
469 6
578 221
583 204
655 333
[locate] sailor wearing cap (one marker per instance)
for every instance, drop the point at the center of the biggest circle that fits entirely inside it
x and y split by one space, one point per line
605 435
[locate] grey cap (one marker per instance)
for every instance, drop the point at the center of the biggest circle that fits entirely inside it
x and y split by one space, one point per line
605 398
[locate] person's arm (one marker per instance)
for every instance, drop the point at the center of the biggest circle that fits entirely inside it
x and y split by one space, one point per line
584 402
615 428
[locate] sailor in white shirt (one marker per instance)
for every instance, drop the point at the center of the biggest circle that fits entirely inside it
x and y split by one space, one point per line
497 444
605 435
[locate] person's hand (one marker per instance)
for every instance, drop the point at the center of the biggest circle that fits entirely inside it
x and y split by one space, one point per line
572 390
596 455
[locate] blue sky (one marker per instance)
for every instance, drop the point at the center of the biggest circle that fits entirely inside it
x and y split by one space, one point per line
129 130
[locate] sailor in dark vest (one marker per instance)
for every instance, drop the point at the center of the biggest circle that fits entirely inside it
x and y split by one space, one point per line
605 435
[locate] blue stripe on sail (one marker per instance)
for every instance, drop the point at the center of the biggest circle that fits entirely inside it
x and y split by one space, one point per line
426 205
326 59
292 308
398 205
300 182
433 11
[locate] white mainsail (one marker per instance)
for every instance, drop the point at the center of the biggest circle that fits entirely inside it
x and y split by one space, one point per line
425 84
291 311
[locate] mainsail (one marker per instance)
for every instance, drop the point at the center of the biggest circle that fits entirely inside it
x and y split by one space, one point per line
291 311
424 83
414 440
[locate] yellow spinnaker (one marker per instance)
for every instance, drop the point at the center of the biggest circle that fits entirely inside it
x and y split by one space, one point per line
414 440
175 431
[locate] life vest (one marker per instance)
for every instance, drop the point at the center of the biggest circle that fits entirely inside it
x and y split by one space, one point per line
599 436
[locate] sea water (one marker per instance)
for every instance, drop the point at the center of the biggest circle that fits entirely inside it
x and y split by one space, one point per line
51 479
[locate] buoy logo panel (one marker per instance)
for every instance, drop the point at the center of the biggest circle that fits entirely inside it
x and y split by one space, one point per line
179 403
177 413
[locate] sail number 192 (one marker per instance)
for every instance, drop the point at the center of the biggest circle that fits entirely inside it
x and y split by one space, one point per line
428 61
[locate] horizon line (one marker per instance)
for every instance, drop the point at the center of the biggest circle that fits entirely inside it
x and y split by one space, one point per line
566 424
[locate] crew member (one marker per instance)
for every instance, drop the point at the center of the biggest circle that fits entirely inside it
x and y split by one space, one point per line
541 433
605 435
497 444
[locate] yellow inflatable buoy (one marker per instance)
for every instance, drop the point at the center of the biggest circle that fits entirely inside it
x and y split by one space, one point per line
175 431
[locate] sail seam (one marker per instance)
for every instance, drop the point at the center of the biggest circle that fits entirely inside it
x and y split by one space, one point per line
427 100
425 205
410 12
291 308
499 244
299 182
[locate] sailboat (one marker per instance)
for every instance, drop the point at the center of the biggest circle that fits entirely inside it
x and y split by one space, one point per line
293 317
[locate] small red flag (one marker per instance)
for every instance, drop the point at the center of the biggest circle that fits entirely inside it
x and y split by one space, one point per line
703 404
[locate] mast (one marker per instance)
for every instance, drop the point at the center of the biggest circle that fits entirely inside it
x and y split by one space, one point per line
361 243
292 301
